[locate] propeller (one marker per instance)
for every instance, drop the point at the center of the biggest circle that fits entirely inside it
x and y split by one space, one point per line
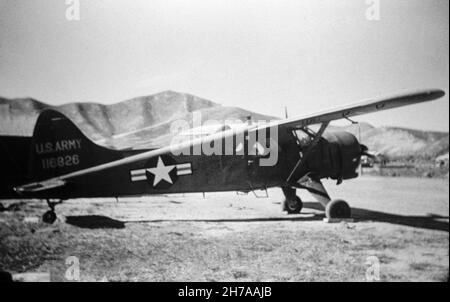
365 151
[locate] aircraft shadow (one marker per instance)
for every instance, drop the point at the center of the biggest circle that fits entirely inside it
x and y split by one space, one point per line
98 222
429 222
314 217
95 222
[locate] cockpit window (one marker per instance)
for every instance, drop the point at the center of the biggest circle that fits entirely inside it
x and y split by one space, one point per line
303 138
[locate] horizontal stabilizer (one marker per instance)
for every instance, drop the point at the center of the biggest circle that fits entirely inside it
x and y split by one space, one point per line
40 186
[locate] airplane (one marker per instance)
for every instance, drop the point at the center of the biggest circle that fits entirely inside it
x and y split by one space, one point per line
59 162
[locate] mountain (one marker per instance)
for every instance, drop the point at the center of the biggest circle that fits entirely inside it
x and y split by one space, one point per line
144 122
140 122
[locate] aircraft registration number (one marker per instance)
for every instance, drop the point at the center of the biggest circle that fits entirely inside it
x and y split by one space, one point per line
60 161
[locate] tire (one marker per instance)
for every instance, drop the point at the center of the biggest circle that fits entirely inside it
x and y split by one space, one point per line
293 206
338 208
49 217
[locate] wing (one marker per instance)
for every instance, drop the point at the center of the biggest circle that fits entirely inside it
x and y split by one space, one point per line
364 107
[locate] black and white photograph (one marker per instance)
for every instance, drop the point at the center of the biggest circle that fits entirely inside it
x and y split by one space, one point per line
241 143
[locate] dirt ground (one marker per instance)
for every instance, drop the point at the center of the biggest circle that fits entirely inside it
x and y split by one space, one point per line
403 222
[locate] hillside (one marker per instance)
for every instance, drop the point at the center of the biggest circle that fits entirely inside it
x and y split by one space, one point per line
145 122
18 116
139 122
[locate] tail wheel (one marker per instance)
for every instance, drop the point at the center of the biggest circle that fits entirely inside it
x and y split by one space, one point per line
49 217
293 206
338 208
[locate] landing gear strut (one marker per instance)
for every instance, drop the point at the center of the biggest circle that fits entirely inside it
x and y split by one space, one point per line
292 204
50 216
336 208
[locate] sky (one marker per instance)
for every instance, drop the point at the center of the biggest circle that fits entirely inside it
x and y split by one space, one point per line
260 55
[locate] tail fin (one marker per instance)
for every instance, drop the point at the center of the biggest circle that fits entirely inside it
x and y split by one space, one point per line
59 147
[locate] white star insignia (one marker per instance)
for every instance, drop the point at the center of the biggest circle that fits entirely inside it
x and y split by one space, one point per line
161 172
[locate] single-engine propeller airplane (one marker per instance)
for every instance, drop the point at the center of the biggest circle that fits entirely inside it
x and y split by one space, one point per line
59 162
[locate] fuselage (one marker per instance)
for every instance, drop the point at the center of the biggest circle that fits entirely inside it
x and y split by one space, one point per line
336 155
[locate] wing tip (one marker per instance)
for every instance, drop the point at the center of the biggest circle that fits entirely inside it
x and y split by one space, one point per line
437 93
424 95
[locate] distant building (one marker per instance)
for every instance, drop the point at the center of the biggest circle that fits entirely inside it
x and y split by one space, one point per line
376 158
366 161
382 159
442 161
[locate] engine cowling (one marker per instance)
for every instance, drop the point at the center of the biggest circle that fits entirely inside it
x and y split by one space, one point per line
337 155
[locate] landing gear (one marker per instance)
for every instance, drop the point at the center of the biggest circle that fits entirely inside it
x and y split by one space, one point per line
338 208
292 204
50 216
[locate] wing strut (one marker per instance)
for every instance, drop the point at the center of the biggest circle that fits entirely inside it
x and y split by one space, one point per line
308 151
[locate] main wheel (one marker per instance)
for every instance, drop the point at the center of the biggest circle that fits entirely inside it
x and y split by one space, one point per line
338 208
293 206
49 217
